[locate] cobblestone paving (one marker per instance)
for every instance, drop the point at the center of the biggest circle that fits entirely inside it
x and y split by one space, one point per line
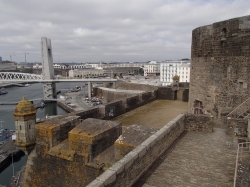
200 159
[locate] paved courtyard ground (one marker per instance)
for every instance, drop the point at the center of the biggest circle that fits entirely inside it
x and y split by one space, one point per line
199 159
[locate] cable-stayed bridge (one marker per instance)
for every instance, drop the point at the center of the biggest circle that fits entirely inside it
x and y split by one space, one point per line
15 77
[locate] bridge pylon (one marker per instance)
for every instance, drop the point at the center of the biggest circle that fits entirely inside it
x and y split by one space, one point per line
49 88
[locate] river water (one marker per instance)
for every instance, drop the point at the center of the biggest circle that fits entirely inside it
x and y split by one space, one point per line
15 94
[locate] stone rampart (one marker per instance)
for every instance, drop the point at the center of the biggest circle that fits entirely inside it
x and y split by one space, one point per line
111 110
109 95
127 170
147 97
165 93
118 107
123 85
65 107
84 114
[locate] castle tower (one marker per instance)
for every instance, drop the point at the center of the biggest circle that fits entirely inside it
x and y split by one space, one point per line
25 121
220 68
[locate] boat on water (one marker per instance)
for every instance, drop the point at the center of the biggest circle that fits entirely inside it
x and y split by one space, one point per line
26 85
3 91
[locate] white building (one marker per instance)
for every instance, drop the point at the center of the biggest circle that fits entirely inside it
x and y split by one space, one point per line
183 71
152 69
169 69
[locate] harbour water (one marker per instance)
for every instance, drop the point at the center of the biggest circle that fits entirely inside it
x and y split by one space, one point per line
15 94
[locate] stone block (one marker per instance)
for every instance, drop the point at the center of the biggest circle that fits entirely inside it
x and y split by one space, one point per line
95 183
160 134
108 177
118 167
142 150
128 160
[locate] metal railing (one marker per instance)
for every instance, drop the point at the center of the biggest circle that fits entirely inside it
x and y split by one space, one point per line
241 109
243 153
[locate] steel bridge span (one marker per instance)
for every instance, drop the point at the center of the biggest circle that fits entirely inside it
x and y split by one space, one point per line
15 77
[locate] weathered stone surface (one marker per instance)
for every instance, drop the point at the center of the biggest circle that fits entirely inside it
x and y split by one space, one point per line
200 159
93 136
165 93
198 123
237 127
220 66
133 136
138 160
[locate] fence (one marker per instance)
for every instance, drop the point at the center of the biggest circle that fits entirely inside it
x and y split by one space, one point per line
243 154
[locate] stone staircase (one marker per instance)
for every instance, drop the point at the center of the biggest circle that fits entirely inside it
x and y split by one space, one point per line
241 111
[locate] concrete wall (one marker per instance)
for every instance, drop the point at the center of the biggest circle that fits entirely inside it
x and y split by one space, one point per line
126 171
220 66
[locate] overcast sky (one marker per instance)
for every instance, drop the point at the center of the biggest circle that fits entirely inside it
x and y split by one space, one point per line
108 30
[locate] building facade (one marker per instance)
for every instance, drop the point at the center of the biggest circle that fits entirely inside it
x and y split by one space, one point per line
79 73
152 69
220 67
168 70
183 71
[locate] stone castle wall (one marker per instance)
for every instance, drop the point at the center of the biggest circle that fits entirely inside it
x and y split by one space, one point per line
123 85
220 66
126 171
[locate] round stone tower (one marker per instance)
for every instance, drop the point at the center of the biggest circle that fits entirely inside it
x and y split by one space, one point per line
25 121
220 67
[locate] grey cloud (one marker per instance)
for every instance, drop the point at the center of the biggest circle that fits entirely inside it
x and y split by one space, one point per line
108 30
